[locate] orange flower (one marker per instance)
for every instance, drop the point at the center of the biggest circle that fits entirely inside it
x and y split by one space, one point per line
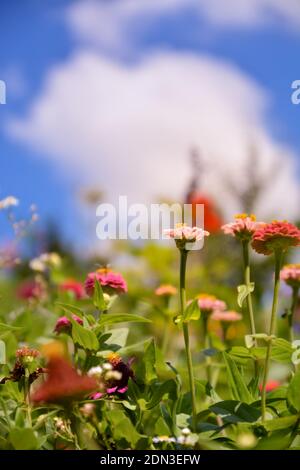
63 383
166 289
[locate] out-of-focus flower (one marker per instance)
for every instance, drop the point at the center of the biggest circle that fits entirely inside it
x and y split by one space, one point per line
95 372
226 316
75 287
208 303
166 290
45 261
183 234
64 325
63 383
276 236
113 379
271 385
111 283
88 409
25 356
30 289
243 227
212 219
9 201
290 274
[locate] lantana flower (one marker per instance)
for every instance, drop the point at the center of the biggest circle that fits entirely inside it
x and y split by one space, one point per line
275 236
75 287
112 379
243 227
63 383
166 290
290 274
111 282
183 234
64 325
209 303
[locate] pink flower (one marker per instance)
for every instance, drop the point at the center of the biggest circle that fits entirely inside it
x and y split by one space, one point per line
275 236
74 287
226 316
30 289
243 227
112 283
64 325
271 385
291 275
113 384
183 234
166 290
208 303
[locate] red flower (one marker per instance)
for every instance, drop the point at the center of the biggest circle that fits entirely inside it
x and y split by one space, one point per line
212 219
112 283
64 325
63 383
271 385
275 236
30 289
74 287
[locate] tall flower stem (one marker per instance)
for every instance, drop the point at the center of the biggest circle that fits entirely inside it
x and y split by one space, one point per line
247 281
207 345
278 262
185 327
292 311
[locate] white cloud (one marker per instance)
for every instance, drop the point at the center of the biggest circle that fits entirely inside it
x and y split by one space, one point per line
129 128
118 24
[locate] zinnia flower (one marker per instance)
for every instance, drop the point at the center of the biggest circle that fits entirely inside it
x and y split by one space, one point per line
74 287
243 227
64 325
63 383
276 236
112 283
166 290
182 234
226 316
30 289
208 303
290 274
25 356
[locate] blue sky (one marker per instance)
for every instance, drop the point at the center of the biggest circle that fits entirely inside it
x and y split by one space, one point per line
35 37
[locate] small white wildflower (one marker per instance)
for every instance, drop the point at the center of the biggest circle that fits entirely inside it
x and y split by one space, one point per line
95 372
8 202
107 366
113 375
185 431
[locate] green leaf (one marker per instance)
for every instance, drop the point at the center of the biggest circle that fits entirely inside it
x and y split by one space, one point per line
233 411
71 309
110 319
243 292
236 382
282 351
293 392
2 352
23 439
166 388
98 298
192 312
280 423
150 362
84 337
250 339
122 427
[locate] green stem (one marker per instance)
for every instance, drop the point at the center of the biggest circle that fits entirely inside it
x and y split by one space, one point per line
207 345
185 327
278 261
292 311
166 336
247 281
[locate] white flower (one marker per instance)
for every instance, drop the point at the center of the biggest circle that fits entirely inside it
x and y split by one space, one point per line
95 372
107 366
8 202
44 261
113 375
185 431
